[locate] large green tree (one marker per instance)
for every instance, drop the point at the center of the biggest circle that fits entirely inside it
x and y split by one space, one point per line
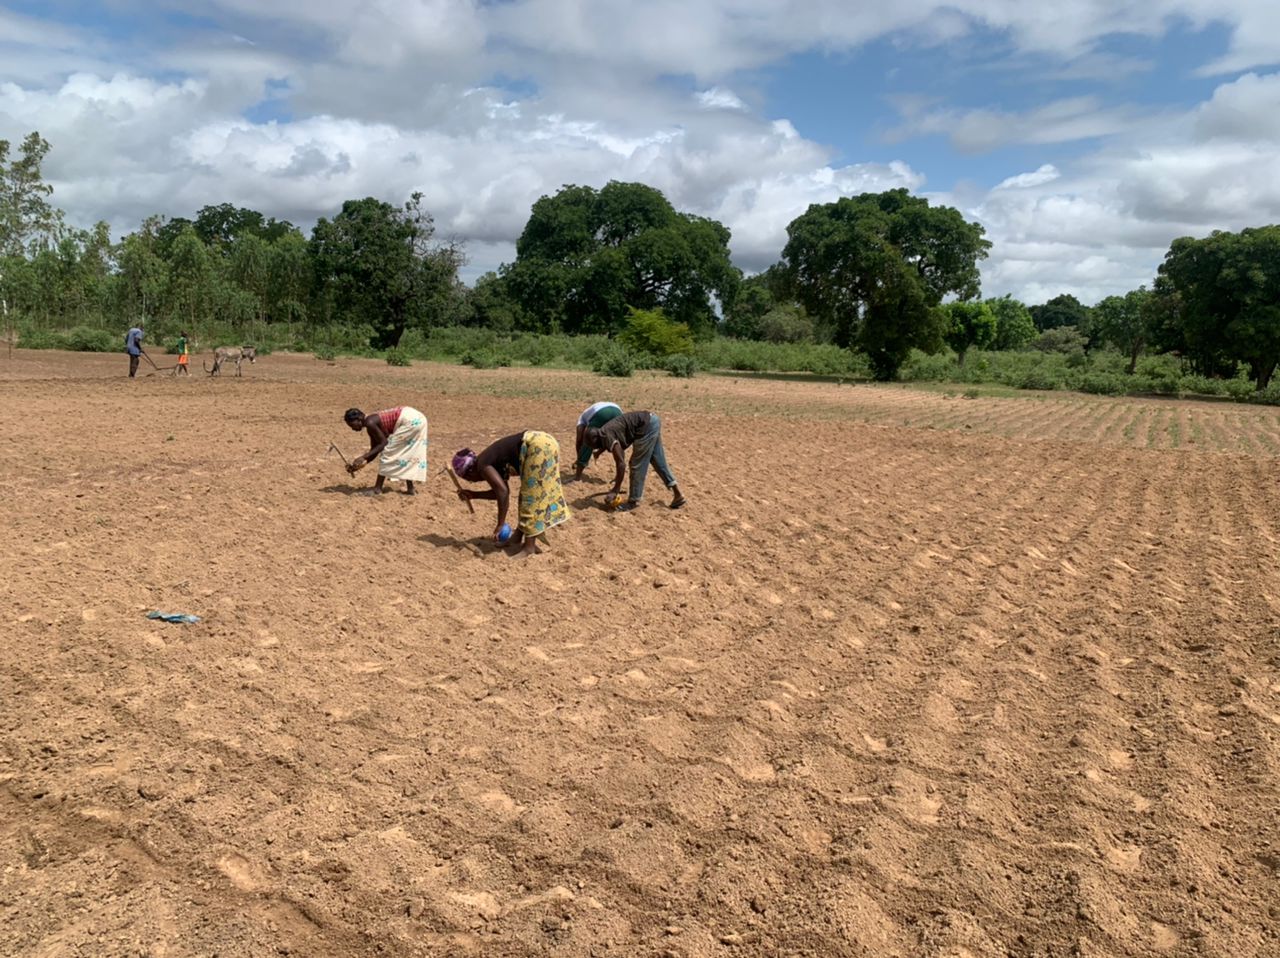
1014 326
1228 290
586 256
969 326
875 267
191 281
28 221
219 226
142 272
1062 310
380 265
1125 322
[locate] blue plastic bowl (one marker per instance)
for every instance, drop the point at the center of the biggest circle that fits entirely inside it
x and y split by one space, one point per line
504 534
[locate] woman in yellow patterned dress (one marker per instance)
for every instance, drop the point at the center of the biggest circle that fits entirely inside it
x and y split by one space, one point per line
535 458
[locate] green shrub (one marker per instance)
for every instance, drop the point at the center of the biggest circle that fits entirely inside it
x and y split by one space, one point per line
1038 377
413 343
85 339
484 359
921 367
1102 384
649 331
682 367
534 349
786 324
617 360
1241 390
45 339
1270 396
326 353
398 357
1062 339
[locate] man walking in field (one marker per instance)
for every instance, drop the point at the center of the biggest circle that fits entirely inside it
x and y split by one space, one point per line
133 346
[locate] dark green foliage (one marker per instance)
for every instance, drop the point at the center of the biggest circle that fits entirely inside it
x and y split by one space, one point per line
754 301
220 226
398 357
326 353
586 256
1064 310
376 264
490 305
874 268
1224 296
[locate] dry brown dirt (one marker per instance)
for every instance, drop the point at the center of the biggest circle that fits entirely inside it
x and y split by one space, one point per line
914 674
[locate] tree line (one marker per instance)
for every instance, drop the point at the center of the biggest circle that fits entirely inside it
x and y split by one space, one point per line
879 273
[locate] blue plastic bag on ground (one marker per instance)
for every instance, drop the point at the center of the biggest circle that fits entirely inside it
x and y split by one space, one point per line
173 616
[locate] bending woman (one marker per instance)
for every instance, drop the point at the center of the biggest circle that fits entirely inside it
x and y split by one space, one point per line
535 458
397 439
593 417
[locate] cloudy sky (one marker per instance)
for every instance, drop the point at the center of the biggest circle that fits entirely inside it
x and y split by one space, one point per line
1083 134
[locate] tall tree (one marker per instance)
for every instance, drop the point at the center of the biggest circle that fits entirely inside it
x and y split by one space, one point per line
969 326
491 305
1062 310
190 288
142 272
1014 326
220 225
754 301
380 265
586 257
28 221
250 269
290 278
875 267
1228 286
1125 322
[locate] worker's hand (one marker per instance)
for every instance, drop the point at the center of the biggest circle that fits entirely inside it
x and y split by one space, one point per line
464 495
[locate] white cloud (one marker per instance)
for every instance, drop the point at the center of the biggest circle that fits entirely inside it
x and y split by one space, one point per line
390 96
980 131
718 98
1246 109
1045 174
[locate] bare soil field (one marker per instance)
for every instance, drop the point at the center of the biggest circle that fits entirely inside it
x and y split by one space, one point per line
912 675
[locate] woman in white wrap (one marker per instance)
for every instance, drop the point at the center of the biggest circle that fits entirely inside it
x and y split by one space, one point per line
397 439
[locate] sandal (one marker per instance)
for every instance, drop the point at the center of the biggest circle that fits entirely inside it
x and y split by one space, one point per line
679 503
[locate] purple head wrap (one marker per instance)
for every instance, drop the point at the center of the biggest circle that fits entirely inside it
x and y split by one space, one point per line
463 460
